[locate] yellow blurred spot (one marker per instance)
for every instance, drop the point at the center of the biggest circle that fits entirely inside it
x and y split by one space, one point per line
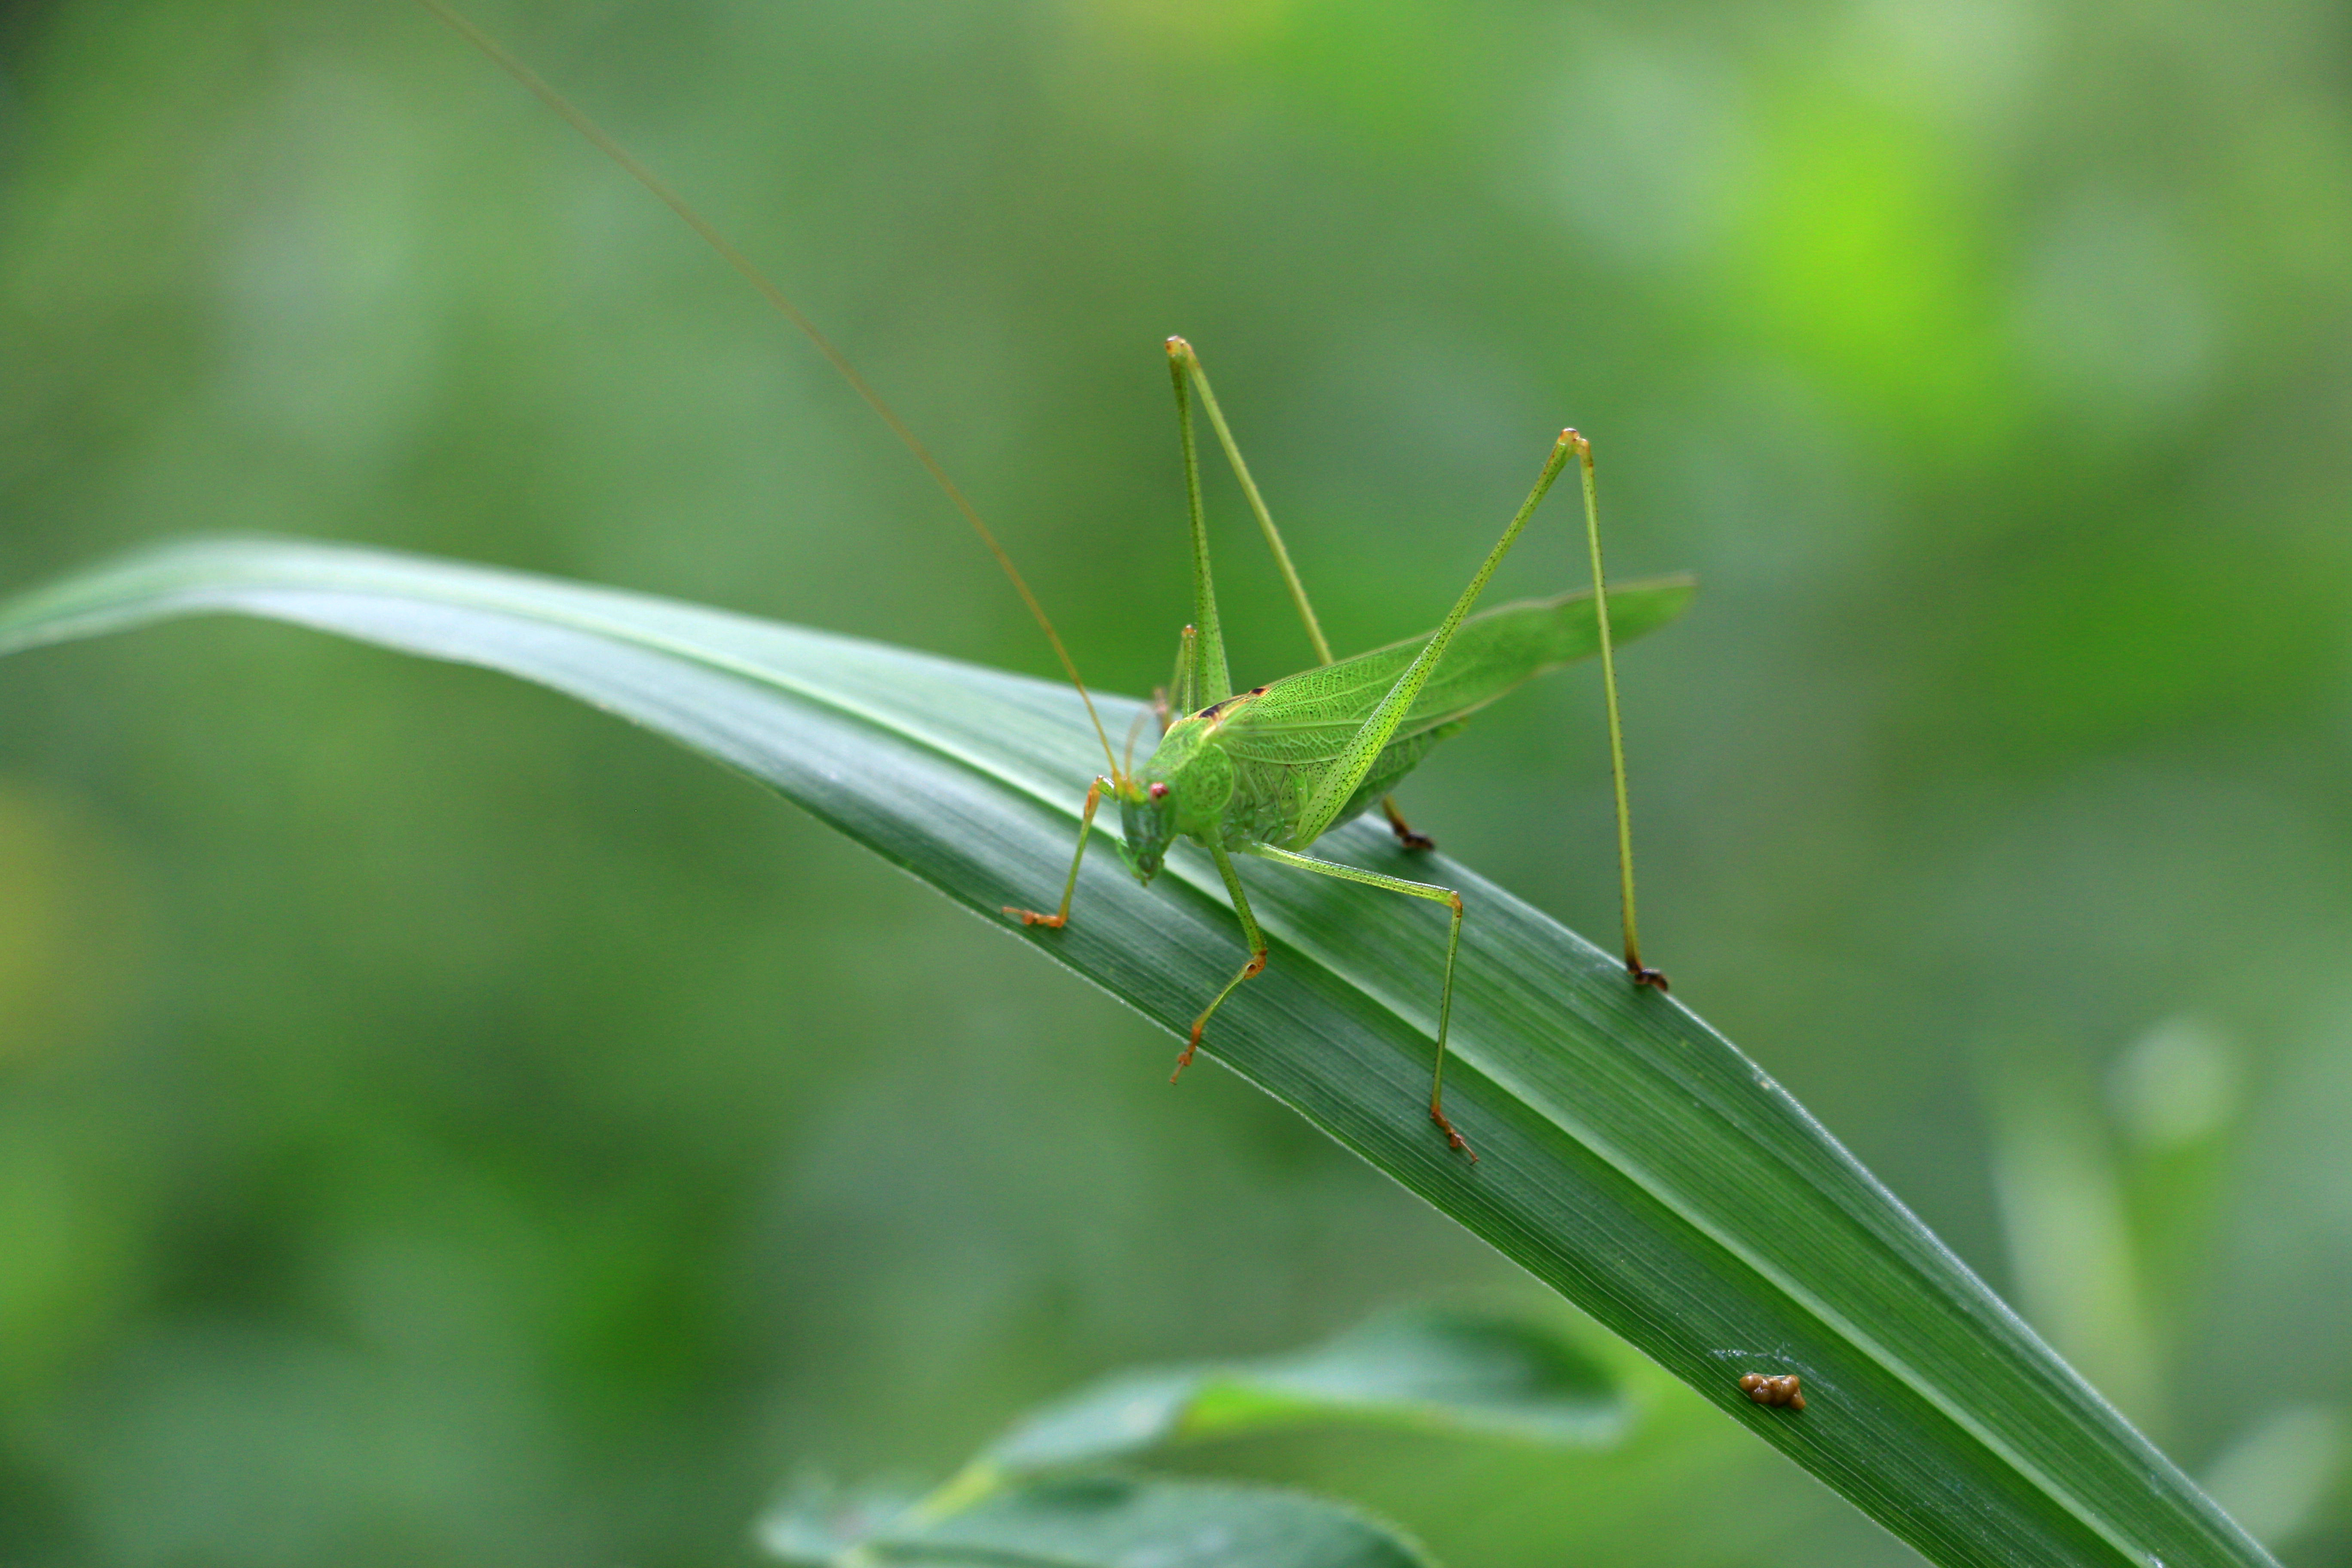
1215 28
67 1252
2072 1265
2177 1085
67 920
1864 259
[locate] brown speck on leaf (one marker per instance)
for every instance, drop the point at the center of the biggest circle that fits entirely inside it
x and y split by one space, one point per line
1785 1390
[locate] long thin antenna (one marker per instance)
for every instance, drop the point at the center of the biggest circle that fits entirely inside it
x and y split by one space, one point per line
775 296
1634 966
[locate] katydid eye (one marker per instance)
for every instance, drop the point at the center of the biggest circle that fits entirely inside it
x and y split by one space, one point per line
1158 791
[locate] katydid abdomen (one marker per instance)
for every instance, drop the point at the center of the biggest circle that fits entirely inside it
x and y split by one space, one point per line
1278 737
1308 717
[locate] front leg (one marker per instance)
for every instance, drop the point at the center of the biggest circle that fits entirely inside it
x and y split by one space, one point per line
1061 916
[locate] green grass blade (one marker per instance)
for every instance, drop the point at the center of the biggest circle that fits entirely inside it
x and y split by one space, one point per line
1436 1370
1634 1160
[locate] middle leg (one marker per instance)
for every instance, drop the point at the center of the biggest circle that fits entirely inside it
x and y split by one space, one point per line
1061 916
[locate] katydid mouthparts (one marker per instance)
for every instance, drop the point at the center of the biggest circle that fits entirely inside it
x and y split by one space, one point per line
1269 771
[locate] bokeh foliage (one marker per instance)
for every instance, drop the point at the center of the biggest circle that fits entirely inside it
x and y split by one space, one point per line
436 1122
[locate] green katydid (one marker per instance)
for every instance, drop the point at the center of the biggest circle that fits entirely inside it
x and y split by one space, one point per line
1268 772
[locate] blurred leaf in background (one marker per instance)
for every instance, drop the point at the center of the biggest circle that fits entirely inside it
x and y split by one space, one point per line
1044 1493
438 1123
1429 1370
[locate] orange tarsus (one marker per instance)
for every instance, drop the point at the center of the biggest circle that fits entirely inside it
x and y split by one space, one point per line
1032 918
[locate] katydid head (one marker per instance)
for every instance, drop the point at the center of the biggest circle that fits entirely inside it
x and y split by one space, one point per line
1147 821
1179 790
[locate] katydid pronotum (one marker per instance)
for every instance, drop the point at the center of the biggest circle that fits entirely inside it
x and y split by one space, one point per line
1268 772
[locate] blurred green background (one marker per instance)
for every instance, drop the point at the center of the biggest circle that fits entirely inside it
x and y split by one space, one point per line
439 1123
